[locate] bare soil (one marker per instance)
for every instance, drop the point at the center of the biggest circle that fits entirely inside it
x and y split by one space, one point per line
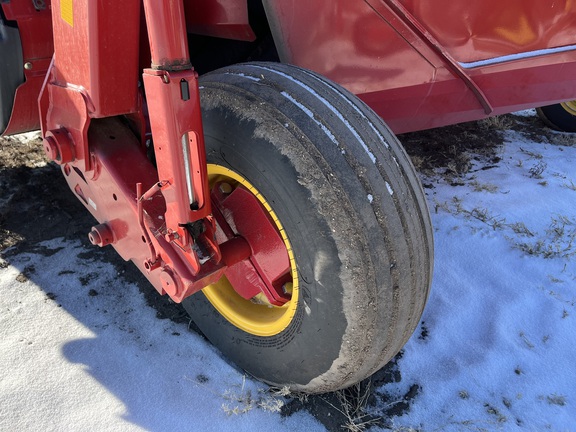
36 205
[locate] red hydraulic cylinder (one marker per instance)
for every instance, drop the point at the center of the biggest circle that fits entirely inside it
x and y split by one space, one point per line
167 34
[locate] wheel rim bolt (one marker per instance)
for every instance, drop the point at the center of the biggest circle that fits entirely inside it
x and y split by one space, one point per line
225 188
287 288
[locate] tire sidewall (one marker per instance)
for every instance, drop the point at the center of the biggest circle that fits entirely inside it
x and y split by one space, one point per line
558 118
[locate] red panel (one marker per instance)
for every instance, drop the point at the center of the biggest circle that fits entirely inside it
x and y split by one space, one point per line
509 87
481 29
25 115
347 42
372 51
528 83
353 45
425 106
35 28
37 48
219 18
91 57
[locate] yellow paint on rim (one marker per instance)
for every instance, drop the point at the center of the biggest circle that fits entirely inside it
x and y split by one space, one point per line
255 316
570 107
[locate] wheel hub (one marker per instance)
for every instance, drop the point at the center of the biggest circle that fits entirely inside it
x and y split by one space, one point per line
570 107
260 293
268 267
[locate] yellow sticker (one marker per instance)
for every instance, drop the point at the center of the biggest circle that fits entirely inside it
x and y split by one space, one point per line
67 11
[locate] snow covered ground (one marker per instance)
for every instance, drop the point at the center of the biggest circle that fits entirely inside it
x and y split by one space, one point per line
496 347
80 348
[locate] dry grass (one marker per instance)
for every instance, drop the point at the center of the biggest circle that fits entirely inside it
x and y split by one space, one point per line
353 403
451 151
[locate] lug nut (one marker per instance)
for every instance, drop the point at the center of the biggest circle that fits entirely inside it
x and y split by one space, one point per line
225 188
287 288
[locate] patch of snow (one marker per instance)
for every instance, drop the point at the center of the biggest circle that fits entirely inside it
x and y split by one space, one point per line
327 105
496 346
310 114
389 188
81 349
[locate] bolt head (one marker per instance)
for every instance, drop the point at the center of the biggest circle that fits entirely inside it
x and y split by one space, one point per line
225 188
95 238
101 235
58 146
50 148
169 282
287 288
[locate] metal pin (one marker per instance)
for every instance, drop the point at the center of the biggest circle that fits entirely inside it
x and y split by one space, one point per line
188 169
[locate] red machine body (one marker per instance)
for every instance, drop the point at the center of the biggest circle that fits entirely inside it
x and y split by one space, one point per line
417 65
423 64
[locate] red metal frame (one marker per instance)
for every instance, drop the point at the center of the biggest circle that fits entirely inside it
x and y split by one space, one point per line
476 30
159 216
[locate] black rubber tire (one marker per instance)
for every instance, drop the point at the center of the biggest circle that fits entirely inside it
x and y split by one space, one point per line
354 212
11 69
557 117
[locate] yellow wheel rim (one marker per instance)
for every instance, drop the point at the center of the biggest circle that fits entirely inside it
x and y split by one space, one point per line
255 316
570 107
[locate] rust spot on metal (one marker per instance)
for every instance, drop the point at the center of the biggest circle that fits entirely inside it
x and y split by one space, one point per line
173 64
